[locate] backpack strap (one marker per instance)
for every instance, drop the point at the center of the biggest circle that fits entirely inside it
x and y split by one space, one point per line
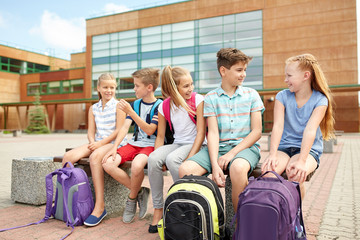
136 106
166 110
190 102
148 120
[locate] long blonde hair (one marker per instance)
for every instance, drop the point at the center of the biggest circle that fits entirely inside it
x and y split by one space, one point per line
308 62
104 77
170 79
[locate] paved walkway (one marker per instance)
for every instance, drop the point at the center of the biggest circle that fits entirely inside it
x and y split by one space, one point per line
331 206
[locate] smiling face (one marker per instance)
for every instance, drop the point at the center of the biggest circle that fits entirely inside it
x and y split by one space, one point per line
185 86
107 89
294 77
236 75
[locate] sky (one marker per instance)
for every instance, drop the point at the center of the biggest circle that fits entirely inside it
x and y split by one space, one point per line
58 28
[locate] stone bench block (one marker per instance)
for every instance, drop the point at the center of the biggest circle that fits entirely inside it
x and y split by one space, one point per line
115 194
28 179
328 146
229 209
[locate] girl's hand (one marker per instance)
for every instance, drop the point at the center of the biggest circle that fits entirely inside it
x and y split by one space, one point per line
111 154
93 146
124 106
296 171
269 164
218 176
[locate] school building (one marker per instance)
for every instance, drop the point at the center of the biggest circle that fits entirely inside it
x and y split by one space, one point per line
189 34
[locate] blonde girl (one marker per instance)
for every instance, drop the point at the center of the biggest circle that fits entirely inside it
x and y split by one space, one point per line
303 117
176 84
104 123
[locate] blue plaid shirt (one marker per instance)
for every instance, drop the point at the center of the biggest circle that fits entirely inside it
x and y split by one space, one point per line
233 113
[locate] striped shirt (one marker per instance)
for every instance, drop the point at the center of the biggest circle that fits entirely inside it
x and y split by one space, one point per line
105 120
233 113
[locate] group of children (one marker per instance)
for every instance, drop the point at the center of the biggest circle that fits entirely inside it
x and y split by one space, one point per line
230 117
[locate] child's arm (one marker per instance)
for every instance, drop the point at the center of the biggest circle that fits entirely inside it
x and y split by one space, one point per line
149 129
213 147
161 129
271 160
91 126
200 128
120 136
248 141
297 169
120 118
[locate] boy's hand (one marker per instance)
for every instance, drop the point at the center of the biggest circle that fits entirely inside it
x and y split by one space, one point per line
218 176
296 171
125 106
224 160
93 146
111 154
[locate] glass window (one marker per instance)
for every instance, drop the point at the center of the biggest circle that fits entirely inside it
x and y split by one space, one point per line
54 87
127 65
128 34
248 16
114 44
183 34
151 39
156 63
210 22
114 36
100 46
210 30
77 85
32 88
211 39
65 86
127 42
151 31
43 88
100 38
101 53
101 68
191 44
182 26
128 50
183 43
151 47
183 59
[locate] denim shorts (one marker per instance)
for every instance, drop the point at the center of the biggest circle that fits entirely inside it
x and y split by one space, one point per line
291 151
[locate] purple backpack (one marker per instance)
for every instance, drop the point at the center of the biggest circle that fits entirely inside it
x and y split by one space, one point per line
269 208
73 199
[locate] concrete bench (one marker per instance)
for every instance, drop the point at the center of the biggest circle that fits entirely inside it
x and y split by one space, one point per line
229 210
28 179
338 133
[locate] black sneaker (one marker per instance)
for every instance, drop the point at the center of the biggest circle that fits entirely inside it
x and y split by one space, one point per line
153 228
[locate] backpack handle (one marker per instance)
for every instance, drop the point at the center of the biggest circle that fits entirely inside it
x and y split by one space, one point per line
281 179
68 163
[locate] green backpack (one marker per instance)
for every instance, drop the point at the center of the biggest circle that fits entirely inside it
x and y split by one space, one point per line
193 209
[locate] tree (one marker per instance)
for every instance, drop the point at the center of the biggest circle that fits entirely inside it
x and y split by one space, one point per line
37 118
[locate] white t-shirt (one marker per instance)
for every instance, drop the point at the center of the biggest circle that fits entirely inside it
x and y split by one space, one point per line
184 127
